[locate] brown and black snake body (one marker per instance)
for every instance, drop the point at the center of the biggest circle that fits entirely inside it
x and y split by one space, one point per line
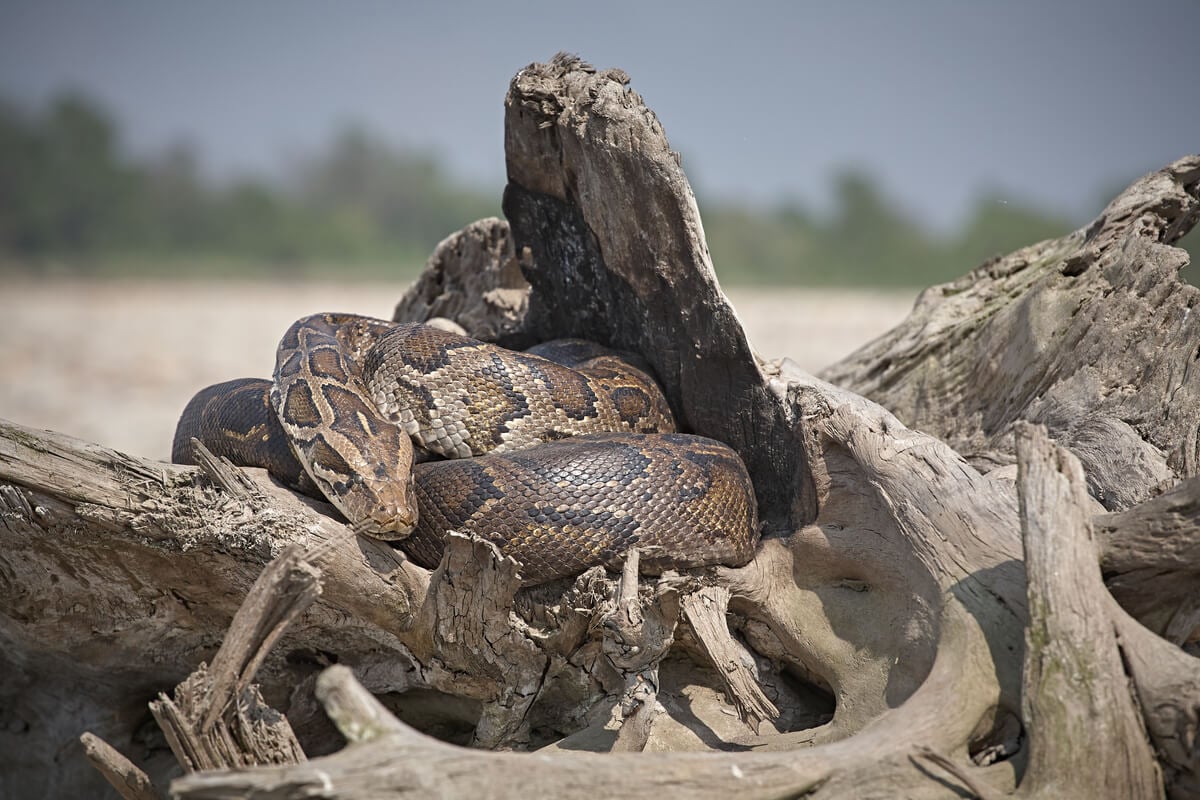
563 456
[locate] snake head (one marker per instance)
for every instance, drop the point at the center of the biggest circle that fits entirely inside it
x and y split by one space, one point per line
380 500
369 478
390 511
359 460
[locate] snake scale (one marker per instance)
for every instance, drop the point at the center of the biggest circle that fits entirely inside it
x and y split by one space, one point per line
564 456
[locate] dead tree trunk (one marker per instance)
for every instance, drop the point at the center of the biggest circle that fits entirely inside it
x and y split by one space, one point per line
977 577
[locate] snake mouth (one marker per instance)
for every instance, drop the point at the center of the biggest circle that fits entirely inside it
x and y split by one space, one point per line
387 527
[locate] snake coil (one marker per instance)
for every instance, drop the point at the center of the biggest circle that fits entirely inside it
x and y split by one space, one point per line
564 456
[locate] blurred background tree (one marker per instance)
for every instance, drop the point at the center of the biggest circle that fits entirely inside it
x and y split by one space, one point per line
71 202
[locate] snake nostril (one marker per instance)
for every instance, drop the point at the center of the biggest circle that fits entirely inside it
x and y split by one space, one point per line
394 519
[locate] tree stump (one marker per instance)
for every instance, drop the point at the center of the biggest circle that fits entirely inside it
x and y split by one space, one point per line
977 576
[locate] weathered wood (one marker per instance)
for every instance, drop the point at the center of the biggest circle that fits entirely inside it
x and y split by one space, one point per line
400 761
355 711
635 644
1150 556
476 638
216 719
1092 335
1086 733
907 530
1167 684
891 574
705 611
224 473
129 781
618 256
120 575
474 278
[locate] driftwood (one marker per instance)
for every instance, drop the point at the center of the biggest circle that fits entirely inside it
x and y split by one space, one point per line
978 573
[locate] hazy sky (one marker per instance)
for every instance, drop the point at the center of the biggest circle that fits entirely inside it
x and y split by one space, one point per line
1044 101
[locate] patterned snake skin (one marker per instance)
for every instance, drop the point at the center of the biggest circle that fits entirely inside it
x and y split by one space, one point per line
563 456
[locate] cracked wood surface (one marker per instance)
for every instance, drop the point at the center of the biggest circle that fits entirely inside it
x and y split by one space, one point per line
892 573
1093 335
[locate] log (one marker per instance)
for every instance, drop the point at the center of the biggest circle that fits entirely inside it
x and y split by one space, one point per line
1087 736
474 278
1150 555
216 718
1091 335
921 619
124 776
122 574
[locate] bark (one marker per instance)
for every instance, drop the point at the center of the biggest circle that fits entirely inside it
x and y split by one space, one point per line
1091 335
1151 560
216 719
475 279
129 781
1087 736
618 256
1167 685
121 574
991 610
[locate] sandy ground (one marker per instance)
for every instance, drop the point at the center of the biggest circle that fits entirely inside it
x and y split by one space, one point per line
115 363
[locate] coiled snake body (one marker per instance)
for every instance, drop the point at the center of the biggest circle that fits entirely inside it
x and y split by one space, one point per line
563 456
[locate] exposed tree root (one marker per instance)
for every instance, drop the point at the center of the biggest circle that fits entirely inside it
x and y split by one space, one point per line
993 609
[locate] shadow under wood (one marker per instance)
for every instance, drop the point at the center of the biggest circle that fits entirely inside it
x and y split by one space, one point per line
1006 647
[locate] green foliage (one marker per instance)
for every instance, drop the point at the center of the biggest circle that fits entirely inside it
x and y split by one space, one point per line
71 201
63 189
373 192
867 240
